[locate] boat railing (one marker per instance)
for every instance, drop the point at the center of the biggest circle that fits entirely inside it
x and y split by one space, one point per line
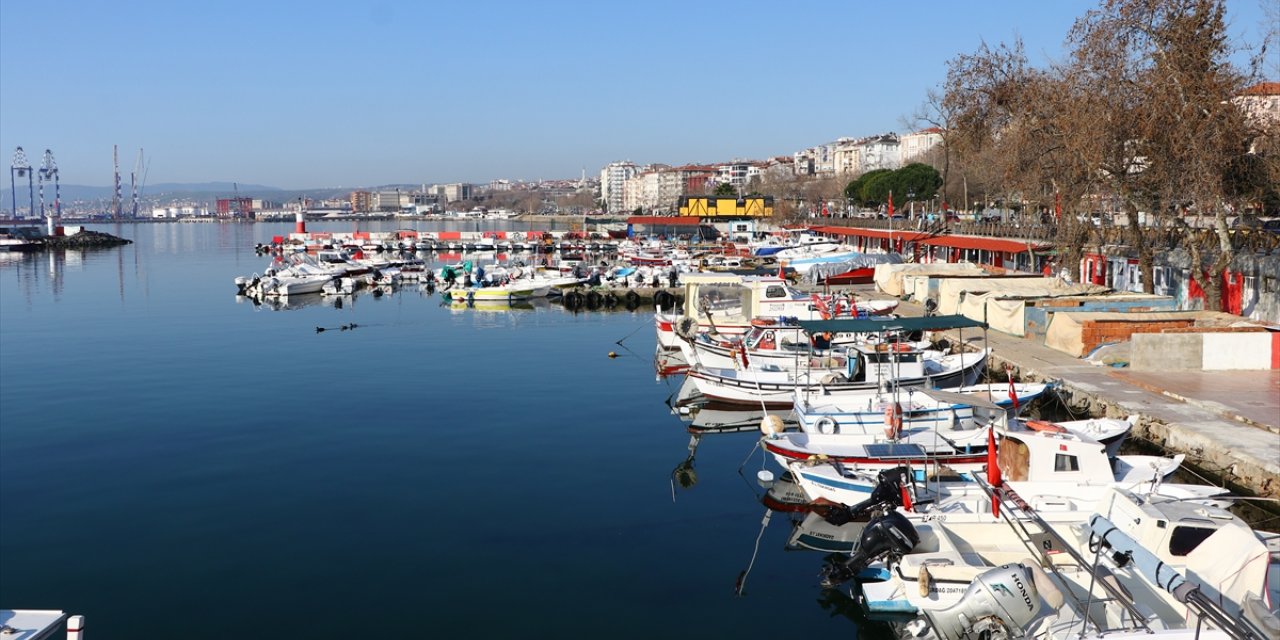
1018 516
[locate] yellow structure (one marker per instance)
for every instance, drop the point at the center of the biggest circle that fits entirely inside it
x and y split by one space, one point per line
716 207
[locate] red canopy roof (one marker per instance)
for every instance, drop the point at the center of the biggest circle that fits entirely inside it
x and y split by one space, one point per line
960 242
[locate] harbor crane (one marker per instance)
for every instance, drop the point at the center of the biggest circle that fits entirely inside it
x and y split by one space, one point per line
17 169
138 167
49 171
115 202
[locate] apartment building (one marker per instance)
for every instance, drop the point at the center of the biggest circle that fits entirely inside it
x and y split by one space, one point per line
612 178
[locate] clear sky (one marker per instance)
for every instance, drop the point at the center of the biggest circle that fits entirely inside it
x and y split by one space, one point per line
325 94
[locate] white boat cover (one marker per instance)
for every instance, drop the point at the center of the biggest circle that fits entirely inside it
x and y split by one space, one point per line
819 272
950 290
889 277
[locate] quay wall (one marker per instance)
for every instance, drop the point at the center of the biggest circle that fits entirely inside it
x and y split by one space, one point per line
1220 441
1219 351
1240 456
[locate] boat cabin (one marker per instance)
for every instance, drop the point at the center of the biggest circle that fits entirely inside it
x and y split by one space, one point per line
709 297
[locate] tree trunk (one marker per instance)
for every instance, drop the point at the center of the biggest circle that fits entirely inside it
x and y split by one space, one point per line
1140 243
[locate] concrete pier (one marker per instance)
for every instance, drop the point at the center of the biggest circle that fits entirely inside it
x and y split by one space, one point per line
1226 422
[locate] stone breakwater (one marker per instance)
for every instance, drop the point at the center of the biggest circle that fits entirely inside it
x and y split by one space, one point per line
84 240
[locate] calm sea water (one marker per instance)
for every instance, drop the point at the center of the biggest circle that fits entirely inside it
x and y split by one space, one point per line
174 463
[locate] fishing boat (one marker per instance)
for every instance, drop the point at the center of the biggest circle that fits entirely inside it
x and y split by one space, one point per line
860 371
726 303
778 342
859 413
1059 470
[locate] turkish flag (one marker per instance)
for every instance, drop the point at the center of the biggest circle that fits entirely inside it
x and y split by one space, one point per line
891 204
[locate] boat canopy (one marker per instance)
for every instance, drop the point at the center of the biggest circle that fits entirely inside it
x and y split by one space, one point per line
877 324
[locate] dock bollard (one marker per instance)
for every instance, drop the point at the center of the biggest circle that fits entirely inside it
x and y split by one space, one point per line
75 628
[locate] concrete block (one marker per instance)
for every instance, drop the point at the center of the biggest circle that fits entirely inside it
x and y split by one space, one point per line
1237 351
1167 352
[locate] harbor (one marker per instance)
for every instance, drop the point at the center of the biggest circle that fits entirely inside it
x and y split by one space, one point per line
603 400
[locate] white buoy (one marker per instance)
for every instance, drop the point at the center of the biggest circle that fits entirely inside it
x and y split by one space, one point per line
75 628
771 425
765 478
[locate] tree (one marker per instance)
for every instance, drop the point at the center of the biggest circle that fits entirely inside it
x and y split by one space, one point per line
1139 114
920 179
725 189
856 189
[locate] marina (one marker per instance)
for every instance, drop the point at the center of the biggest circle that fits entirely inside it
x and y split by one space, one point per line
333 451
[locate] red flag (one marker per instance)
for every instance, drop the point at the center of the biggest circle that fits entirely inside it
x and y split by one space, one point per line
890 204
1057 206
993 470
1013 394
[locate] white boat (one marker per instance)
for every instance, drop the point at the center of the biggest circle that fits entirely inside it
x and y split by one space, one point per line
890 369
727 303
768 341
1051 470
858 412
1134 565
515 290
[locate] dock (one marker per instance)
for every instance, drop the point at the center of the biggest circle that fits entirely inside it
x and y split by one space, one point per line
1226 422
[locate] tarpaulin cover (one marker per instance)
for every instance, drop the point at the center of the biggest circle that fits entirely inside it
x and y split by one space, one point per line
1066 329
878 324
949 289
889 276
822 271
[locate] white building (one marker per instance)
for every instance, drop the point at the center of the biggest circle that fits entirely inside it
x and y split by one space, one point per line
917 144
612 178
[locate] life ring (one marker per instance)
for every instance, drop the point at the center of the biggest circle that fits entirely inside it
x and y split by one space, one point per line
686 327
826 425
1045 426
892 420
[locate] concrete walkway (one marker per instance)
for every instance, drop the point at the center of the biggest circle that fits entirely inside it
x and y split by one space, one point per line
1228 422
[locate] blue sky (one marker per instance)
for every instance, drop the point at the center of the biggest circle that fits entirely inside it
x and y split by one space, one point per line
327 94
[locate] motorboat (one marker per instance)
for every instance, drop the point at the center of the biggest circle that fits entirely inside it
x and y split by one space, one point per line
1135 564
862 370
1053 470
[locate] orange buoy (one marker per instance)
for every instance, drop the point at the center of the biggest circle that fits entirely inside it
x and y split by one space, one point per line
892 420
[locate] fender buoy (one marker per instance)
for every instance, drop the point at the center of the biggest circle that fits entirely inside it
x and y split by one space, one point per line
892 420
1045 426
826 425
686 327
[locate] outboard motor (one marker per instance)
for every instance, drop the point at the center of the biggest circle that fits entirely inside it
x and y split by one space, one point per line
889 534
998 605
888 491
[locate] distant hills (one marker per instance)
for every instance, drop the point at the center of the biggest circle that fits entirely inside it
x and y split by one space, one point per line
198 191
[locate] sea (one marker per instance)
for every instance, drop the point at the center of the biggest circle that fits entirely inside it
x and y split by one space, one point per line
177 462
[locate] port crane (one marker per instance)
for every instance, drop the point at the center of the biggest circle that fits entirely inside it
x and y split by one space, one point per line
20 168
49 171
138 167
